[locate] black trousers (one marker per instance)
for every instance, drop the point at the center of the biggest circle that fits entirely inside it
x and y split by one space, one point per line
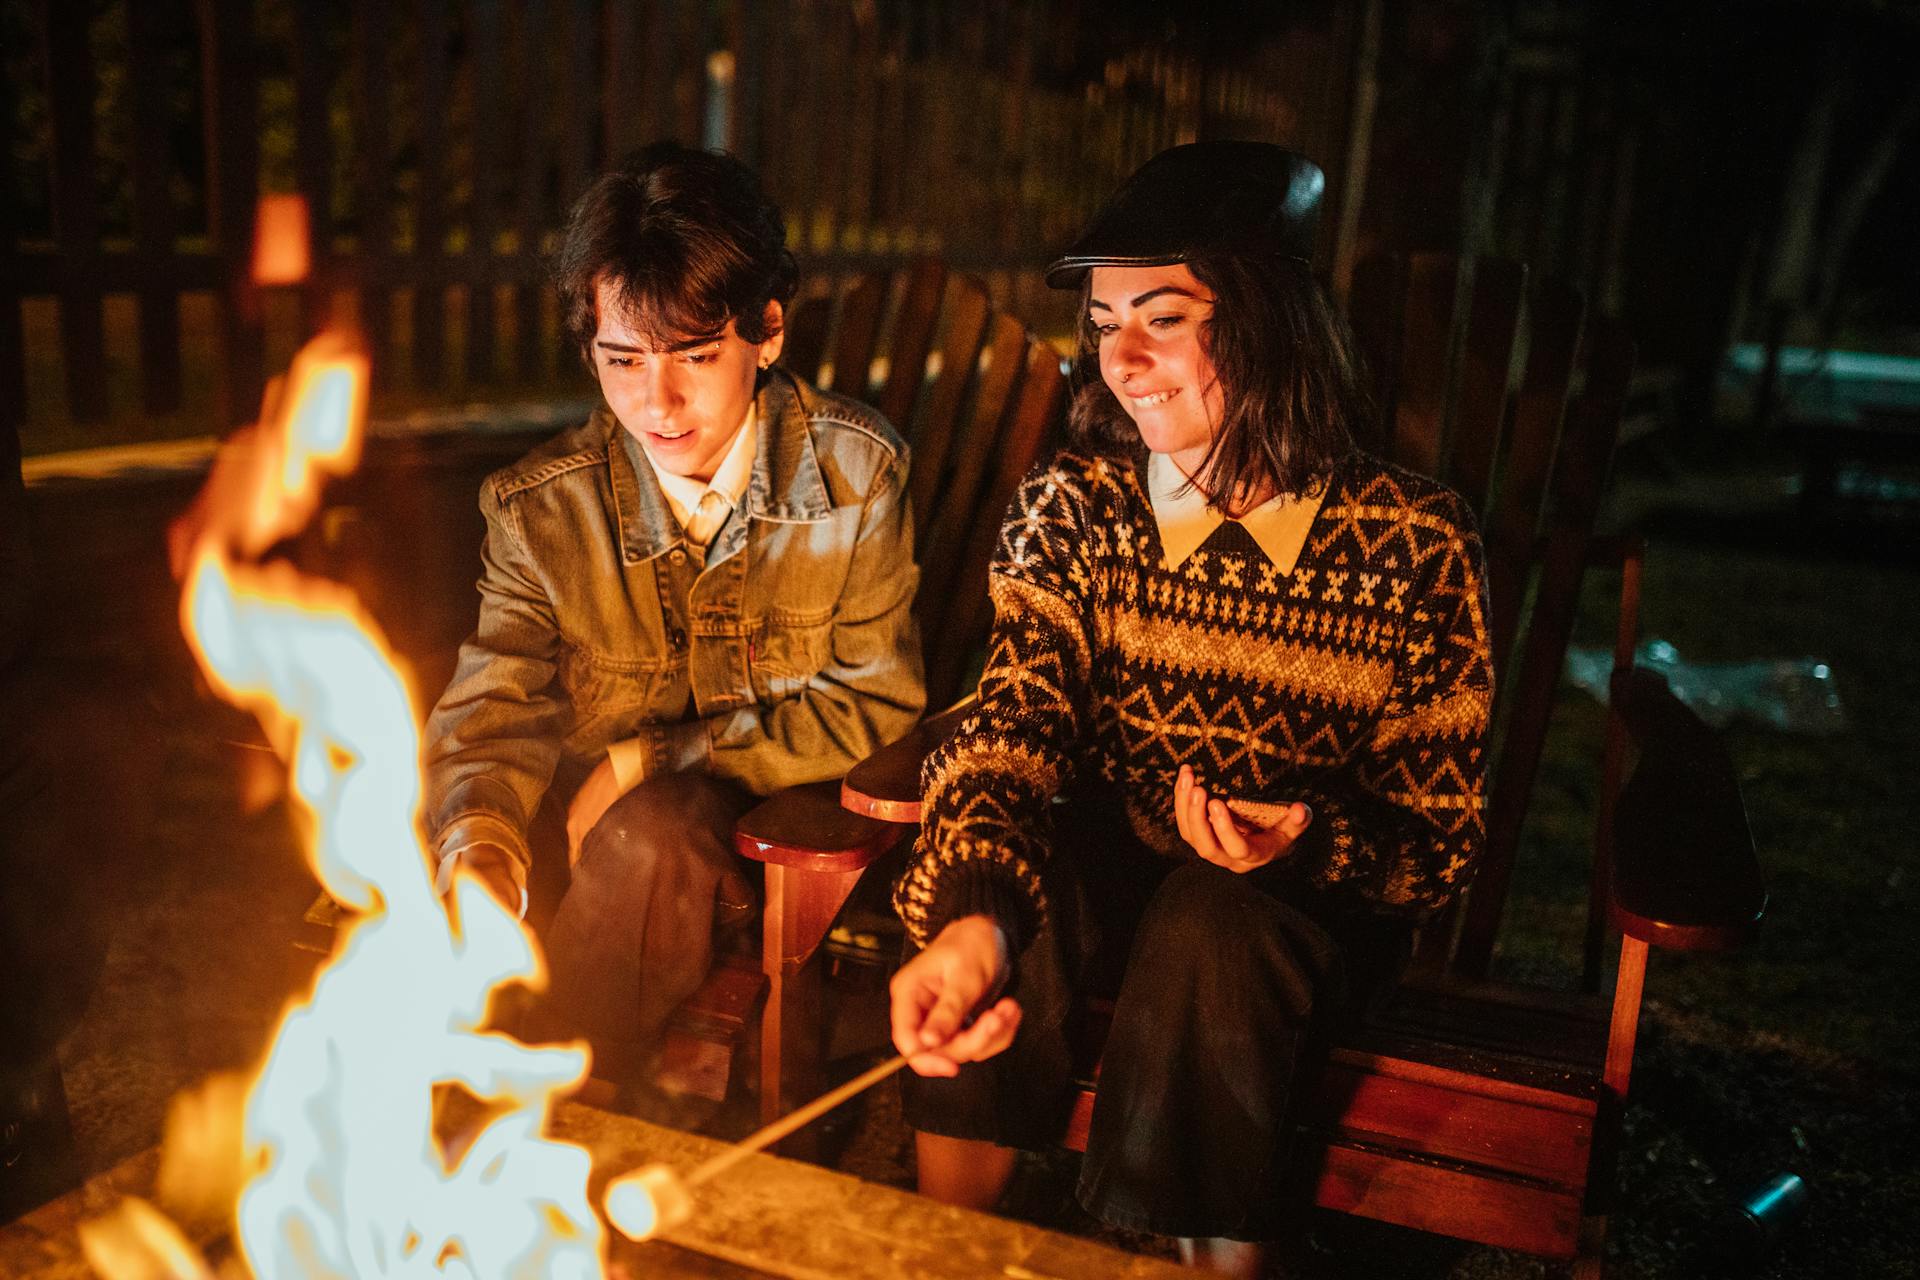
1228 985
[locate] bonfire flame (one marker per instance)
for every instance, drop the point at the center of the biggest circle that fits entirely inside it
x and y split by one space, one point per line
347 1176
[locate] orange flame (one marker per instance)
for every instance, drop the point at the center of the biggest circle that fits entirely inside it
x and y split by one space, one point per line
280 240
347 1175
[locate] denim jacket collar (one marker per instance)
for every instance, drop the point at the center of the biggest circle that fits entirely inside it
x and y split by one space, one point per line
786 484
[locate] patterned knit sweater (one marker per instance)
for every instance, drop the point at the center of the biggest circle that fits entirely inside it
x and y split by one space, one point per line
1359 683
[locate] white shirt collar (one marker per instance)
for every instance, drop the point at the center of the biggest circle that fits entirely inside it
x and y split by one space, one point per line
1279 525
730 480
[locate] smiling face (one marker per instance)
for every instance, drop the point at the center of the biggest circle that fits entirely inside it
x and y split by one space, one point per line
683 402
1148 325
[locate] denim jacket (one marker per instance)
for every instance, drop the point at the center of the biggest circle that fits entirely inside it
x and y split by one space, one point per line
796 653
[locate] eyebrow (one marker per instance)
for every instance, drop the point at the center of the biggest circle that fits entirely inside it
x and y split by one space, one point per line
1149 296
685 345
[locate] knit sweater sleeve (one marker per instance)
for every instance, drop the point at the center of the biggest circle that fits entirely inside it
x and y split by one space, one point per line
1410 821
986 792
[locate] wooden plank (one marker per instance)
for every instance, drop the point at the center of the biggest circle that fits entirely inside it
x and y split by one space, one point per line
231 97
13 339
313 153
1420 414
1000 369
1376 307
76 207
536 91
912 330
806 344
1555 318
154 224
1486 376
1037 411
488 90
858 334
1508 1213
580 99
933 435
621 112
371 146
429 368
1546 1143
1579 475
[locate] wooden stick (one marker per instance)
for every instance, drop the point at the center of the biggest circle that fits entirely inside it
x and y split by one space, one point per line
793 1120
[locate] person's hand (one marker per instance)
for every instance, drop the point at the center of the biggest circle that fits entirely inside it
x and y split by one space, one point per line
496 869
932 994
590 803
1231 840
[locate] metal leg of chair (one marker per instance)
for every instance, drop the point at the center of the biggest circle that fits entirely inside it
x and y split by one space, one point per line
801 905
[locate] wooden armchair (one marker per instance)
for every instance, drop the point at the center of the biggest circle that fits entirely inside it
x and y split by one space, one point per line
975 395
1477 1108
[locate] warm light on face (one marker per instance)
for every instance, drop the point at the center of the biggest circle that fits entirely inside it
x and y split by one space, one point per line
683 401
1149 323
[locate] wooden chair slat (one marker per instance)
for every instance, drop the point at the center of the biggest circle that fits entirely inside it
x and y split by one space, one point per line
1425 364
1485 378
1376 308
965 623
933 432
858 334
1579 475
806 343
913 329
1450 1199
371 40
1557 317
955 503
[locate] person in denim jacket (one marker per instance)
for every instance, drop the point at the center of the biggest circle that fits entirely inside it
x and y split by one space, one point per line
700 596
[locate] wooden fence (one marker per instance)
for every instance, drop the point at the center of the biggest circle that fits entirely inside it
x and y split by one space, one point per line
439 144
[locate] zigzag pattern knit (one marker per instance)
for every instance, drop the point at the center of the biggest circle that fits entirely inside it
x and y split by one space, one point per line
1359 683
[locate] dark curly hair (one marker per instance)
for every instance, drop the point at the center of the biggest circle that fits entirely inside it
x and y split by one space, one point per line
1289 373
688 238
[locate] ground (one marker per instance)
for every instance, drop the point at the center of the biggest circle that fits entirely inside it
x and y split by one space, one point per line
1797 1054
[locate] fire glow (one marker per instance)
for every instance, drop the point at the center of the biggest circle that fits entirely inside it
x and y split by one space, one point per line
346 1176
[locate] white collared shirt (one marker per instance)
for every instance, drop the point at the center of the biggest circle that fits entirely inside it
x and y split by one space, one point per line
684 497
729 483
1279 525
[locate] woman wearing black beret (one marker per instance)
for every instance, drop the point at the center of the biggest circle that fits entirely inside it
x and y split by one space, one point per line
1230 743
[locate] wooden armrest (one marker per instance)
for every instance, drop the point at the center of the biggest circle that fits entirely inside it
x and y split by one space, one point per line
1685 875
805 828
886 785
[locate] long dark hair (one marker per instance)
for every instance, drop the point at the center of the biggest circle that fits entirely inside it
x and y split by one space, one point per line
690 241
1289 376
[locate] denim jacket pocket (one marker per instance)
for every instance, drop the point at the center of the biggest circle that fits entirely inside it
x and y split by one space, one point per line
601 685
788 651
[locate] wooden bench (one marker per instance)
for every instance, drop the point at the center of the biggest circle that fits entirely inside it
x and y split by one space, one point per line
1465 1105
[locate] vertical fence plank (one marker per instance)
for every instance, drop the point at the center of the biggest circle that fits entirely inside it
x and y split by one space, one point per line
313 155
621 125
537 91
578 156
373 217
488 90
76 208
231 97
13 338
154 227
429 201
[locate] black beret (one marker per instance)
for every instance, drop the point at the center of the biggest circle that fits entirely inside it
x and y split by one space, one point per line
1202 198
